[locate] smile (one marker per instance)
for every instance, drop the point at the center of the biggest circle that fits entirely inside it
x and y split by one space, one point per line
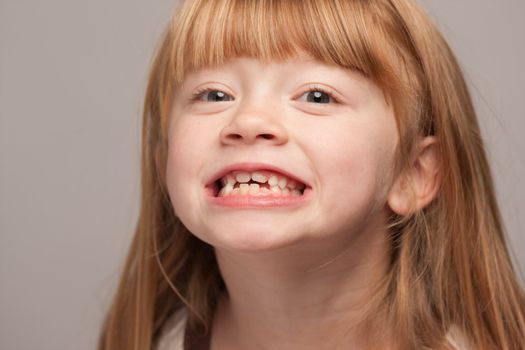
256 185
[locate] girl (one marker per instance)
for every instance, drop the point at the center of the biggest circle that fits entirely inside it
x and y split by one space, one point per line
313 177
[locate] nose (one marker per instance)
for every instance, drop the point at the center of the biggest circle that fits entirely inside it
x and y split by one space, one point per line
249 127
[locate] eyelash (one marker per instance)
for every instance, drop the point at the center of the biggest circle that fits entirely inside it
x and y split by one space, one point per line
329 93
313 88
198 94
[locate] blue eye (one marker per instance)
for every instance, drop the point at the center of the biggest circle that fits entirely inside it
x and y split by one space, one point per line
318 95
210 95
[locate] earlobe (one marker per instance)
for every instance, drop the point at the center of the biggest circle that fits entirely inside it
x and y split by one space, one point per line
401 197
419 184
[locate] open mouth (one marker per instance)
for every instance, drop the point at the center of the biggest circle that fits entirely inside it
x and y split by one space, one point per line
257 183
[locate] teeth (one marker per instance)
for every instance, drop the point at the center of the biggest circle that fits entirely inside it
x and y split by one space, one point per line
245 188
254 189
226 190
272 181
237 183
243 177
228 179
282 182
259 177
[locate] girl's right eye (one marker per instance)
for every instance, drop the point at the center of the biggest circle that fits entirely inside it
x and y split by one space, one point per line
211 95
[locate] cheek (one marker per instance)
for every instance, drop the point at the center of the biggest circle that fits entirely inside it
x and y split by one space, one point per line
190 141
356 168
182 167
180 155
181 140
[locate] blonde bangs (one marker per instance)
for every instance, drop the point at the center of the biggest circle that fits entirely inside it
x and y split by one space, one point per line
208 33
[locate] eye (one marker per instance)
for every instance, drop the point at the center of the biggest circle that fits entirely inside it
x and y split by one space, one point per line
318 95
211 95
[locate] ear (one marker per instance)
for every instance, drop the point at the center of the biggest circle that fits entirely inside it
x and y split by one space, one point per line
418 185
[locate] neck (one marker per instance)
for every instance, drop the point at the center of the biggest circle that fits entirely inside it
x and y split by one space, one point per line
311 295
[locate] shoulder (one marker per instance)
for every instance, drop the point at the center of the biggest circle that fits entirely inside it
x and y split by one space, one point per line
457 339
172 336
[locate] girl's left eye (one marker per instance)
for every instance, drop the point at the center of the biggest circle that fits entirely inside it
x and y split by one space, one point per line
211 95
318 95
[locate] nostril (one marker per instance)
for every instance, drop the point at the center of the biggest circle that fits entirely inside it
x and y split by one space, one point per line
267 136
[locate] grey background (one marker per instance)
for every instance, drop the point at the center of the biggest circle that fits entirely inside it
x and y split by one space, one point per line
72 76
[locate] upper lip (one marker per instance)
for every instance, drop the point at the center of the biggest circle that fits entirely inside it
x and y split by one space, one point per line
250 167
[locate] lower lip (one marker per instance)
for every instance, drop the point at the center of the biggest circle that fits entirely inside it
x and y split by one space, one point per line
260 201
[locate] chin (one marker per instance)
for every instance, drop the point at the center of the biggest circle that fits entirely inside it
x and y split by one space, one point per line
252 239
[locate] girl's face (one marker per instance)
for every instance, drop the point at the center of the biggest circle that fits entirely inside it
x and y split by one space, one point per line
327 128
